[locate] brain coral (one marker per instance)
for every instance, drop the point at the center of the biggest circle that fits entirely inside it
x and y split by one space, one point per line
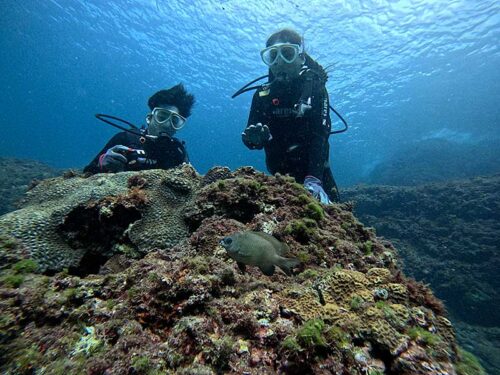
49 204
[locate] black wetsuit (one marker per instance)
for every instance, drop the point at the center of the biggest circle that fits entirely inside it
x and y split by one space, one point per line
162 153
299 145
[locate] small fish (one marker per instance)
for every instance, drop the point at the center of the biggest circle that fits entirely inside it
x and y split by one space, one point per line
258 249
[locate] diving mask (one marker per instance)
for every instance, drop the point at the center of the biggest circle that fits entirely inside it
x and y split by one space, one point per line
287 51
163 115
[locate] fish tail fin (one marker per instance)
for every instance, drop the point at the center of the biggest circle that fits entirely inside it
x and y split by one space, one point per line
287 264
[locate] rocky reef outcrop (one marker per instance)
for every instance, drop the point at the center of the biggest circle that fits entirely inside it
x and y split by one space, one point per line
448 235
434 160
124 274
17 176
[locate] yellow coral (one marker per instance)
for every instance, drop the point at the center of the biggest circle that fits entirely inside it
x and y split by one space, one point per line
345 299
373 312
445 329
341 284
401 311
387 336
365 294
377 276
397 292
302 302
418 316
332 313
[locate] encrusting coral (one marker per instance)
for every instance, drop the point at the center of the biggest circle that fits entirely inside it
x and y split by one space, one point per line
184 307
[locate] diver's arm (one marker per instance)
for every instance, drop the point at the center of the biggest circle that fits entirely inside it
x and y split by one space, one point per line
118 139
320 124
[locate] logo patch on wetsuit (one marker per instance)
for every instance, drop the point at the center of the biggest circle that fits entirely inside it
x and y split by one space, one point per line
150 161
283 112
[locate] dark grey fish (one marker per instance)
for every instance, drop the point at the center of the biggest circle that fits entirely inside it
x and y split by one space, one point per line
258 249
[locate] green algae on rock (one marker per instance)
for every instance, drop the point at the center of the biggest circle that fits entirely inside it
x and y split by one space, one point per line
183 308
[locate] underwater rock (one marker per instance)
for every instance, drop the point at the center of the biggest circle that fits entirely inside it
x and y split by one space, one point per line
437 160
215 174
17 177
185 308
448 235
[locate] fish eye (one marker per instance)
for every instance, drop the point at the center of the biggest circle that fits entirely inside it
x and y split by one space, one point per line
228 241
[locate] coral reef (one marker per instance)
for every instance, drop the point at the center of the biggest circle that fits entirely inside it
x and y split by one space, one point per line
448 235
184 307
17 177
65 221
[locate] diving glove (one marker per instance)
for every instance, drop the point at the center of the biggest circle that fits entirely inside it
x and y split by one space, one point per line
256 136
113 159
315 187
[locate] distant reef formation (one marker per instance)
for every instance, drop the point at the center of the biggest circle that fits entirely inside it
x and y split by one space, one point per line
123 274
435 160
17 177
448 235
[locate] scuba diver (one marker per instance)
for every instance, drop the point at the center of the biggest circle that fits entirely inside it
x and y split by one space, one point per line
153 146
290 116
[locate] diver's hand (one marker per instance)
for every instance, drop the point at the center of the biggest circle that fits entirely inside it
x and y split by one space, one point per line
315 187
113 159
256 136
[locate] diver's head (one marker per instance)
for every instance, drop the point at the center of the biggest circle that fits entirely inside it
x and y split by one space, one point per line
284 54
164 120
169 111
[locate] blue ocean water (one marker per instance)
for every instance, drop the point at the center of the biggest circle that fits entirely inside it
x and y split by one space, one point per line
401 71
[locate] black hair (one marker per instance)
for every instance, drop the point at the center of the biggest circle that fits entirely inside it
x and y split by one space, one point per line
316 67
177 96
286 35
